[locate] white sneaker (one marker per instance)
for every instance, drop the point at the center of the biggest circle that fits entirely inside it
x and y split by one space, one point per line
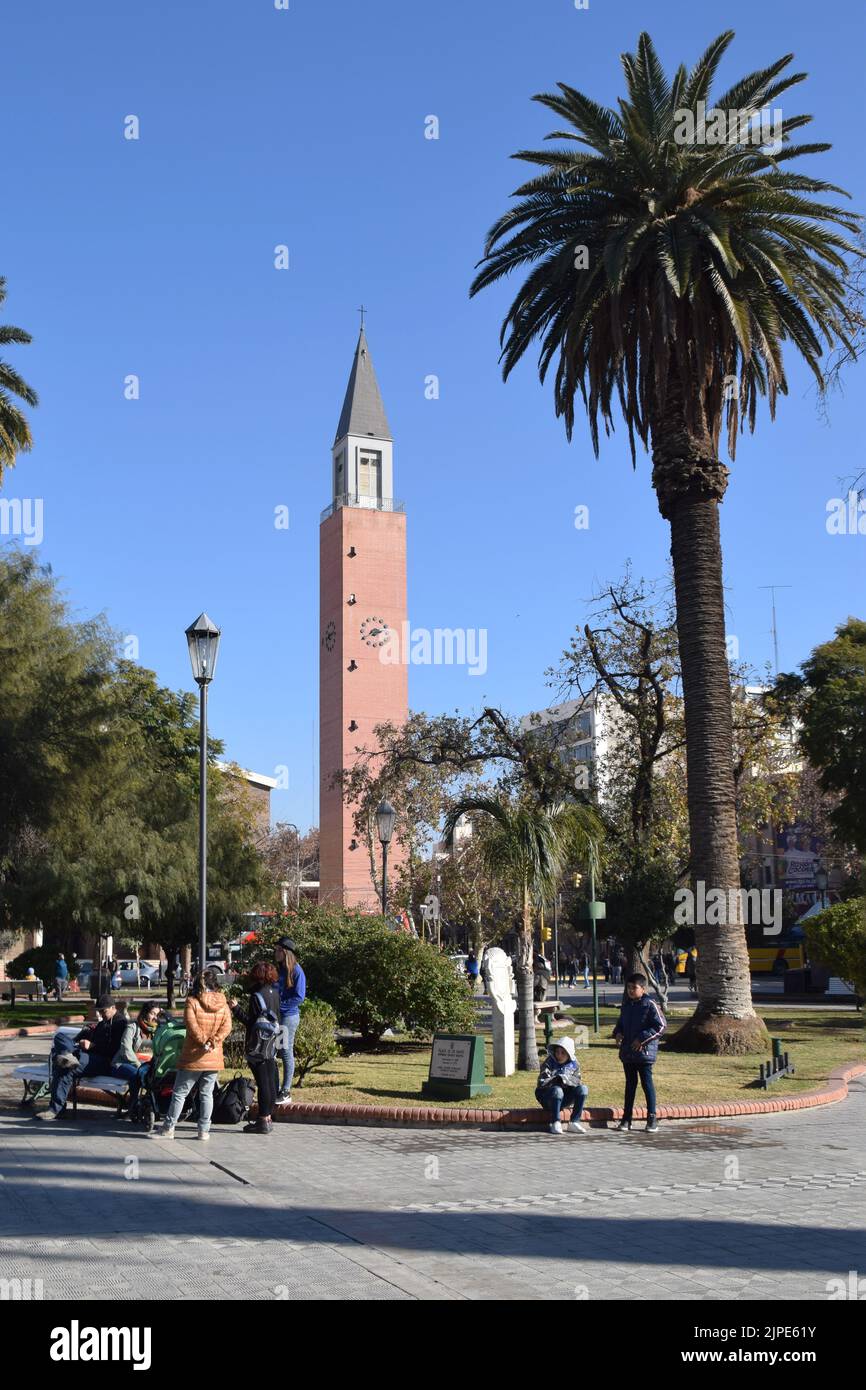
203 1135
575 1127
556 1127
164 1132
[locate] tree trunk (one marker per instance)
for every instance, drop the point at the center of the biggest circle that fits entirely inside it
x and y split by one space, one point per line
527 1059
690 483
170 966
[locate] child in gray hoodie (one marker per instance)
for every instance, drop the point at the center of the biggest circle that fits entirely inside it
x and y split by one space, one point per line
559 1085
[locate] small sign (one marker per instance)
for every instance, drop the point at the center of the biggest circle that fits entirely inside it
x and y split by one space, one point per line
456 1067
451 1059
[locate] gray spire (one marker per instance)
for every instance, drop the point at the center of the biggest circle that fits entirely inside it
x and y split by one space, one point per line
363 412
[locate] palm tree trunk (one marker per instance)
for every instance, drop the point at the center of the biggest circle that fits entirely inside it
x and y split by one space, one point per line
527 1059
690 482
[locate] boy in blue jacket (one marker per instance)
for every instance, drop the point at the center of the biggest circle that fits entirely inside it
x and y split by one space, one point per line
641 1024
559 1085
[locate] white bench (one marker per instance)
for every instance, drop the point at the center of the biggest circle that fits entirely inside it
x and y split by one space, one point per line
36 1077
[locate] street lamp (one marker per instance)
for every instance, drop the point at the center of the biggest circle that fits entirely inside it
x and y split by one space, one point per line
290 825
822 878
203 640
385 818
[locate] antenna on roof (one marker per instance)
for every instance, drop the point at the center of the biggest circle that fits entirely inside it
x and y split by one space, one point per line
773 588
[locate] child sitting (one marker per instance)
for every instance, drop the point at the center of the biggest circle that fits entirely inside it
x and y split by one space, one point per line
559 1085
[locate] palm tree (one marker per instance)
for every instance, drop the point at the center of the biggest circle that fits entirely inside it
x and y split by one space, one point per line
529 847
665 272
15 435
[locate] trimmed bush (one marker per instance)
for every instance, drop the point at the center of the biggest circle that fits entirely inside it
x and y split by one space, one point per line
837 939
315 1040
372 977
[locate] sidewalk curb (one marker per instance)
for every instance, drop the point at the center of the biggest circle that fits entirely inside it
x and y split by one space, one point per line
530 1121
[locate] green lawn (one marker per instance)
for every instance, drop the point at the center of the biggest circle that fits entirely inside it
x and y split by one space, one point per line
393 1074
27 1015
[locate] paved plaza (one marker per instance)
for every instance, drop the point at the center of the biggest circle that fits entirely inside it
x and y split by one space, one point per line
772 1208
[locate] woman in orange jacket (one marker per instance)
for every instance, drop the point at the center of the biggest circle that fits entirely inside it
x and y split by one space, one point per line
208 1022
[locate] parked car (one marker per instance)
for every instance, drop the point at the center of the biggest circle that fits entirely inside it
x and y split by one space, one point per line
141 974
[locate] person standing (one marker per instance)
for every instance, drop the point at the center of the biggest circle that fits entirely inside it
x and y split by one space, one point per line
261 1042
584 969
641 1024
692 970
208 1022
61 975
292 984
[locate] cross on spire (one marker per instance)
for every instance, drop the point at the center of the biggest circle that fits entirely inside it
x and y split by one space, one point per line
362 311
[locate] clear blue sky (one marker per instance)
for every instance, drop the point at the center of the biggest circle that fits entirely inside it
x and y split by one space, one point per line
306 127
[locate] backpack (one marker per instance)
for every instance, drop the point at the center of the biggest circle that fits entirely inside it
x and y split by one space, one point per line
232 1101
264 1035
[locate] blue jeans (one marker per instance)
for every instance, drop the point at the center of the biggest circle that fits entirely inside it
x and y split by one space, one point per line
183 1084
62 1080
633 1071
287 1048
134 1073
554 1097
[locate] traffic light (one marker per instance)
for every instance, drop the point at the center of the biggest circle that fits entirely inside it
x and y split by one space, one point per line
546 933
578 880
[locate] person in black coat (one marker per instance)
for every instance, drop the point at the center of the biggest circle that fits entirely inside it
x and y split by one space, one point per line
90 1051
264 1000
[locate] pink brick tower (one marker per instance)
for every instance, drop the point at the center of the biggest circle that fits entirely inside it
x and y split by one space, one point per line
362 606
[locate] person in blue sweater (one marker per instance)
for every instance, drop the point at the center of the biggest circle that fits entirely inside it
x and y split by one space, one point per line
641 1024
559 1085
292 985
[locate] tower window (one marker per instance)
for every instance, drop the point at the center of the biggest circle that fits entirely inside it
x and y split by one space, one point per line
369 473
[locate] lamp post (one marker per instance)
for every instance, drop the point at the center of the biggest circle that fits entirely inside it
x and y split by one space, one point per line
385 818
290 825
203 640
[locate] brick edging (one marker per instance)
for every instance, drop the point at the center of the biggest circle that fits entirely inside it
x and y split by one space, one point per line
303 1112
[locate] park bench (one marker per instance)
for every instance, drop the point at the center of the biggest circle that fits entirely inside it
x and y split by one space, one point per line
10 988
37 1078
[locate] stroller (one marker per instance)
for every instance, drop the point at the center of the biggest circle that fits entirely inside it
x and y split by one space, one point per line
154 1096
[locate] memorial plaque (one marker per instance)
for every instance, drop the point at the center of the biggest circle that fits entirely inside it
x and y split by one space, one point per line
456 1067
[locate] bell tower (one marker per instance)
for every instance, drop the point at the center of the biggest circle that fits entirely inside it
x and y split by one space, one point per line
362 609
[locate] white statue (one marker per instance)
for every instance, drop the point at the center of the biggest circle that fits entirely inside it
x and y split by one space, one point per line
499 981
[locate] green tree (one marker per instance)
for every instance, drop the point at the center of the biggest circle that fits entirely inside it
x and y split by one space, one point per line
837 939
665 274
528 847
827 703
15 436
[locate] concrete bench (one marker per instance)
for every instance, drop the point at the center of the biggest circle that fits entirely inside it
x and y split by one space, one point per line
10 988
36 1077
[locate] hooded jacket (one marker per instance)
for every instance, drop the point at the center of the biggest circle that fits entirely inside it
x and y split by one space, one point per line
207 1019
640 1020
560 1073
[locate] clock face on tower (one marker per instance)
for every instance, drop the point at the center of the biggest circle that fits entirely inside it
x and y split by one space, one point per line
375 632
330 636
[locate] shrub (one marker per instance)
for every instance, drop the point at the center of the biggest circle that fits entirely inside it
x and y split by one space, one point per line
837 939
372 977
42 958
315 1040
